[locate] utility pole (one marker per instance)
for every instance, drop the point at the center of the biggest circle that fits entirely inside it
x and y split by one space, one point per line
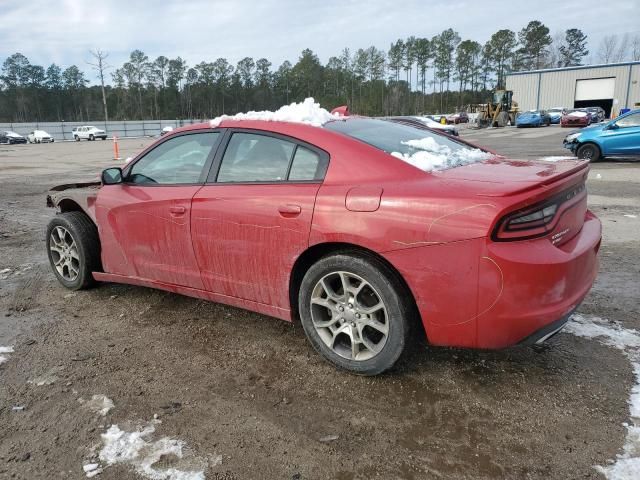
100 66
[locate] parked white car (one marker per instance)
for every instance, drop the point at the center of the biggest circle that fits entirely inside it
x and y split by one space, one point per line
165 130
39 136
88 132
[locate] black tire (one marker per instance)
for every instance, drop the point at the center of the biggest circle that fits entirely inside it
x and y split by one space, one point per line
76 138
85 234
91 138
502 119
104 138
589 151
390 291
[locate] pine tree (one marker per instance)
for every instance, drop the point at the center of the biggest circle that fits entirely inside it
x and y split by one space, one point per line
575 48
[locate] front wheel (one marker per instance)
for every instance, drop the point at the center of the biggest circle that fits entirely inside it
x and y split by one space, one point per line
73 248
76 138
589 152
91 138
354 312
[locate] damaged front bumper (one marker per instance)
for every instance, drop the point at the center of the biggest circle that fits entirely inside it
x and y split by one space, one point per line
572 145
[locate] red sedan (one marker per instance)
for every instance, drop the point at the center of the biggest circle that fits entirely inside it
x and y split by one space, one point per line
460 117
367 231
575 118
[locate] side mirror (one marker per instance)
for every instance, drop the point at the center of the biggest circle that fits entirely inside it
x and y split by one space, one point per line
112 176
613 126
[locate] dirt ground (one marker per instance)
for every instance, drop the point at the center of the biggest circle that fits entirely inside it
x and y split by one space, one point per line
248 396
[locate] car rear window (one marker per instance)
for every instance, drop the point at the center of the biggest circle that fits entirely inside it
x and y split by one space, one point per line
420 147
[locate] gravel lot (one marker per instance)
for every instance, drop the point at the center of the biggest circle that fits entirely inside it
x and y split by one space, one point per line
248 396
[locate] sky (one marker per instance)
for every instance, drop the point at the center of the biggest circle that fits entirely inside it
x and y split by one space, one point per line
49 31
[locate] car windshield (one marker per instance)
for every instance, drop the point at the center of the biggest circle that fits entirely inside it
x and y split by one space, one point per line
555 110
91 127
421 148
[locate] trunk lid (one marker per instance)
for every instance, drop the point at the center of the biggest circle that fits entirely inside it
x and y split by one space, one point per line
500 177
524 186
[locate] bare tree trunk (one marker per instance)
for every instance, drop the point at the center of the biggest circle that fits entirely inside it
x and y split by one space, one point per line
100 66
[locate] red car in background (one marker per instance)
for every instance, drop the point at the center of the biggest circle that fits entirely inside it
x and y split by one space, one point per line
576 118
340 226
460 117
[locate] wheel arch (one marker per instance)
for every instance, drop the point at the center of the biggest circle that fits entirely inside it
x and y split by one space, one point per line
68 204
320 250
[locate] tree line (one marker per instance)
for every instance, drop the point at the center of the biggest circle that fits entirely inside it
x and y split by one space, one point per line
414 75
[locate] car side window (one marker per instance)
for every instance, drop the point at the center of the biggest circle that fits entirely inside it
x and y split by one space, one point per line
307 165
255 158
179 160
630 121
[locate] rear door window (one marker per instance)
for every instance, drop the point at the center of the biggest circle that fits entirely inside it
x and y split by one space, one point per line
307 165
255 158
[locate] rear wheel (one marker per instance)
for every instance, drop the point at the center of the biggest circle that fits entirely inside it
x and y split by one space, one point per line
589 151
73 248
355 313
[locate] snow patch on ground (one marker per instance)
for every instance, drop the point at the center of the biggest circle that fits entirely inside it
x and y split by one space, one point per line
627 463
3 358
628 215
19 270
556 158
137 449
48 378
306 111
99 404
431 155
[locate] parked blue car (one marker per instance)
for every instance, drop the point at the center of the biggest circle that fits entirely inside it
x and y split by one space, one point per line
555 114
534 118
616 138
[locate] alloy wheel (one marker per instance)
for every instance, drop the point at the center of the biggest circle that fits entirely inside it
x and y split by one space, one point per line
349 316
64 253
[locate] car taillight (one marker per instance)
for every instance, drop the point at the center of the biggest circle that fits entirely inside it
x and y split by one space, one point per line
537 220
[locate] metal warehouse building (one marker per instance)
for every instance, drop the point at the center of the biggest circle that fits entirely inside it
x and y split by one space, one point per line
613 87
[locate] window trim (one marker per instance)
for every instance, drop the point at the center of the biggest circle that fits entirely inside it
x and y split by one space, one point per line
212 178
205 169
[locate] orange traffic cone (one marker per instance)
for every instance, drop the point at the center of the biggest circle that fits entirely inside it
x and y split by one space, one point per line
116 150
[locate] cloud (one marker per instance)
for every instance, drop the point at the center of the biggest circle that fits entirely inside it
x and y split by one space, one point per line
198 30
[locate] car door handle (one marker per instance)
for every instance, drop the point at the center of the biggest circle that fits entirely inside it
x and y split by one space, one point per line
289 210
177 210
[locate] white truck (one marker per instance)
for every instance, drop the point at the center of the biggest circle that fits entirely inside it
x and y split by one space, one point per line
88 132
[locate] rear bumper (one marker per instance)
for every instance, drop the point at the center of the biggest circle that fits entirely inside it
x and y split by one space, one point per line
537 284
548 331
491 295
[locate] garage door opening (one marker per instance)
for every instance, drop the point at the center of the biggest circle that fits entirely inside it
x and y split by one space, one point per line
595 92
606 104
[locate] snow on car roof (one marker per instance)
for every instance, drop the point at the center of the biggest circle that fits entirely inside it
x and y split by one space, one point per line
307 111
